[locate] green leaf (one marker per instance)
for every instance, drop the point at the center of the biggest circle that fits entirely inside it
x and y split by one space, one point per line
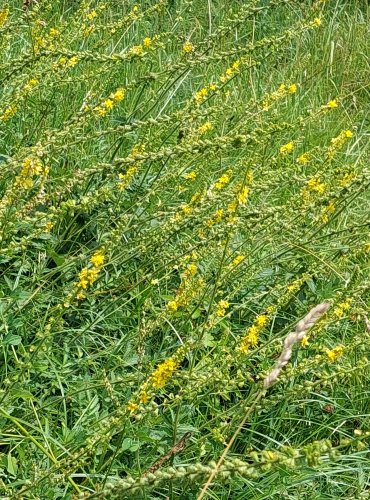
12 339
12 465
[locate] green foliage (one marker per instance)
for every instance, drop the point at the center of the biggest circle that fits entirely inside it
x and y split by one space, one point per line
181 182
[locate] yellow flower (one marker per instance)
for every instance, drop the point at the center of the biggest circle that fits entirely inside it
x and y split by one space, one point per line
72 62
132 407
144 397
317 21
205 128
118 95
200 95
303 158
188 48
221 308
9 112
304 341
243 195
316 185
261 320
332 104
191 175
287 148
3 16
163 372
335 353
292 89
54 32
172 305
147 42
97 259
237 260
91 15
342 307
348 134
222 181
108 104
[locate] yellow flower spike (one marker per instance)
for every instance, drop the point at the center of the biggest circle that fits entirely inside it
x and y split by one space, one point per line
237 260
108 104
162 373
287 148
332 104
132 407
97 260
304 341
243 195
4 13
303 159
221 308
191 175
335 353
118 95
172 305
147 42
188 48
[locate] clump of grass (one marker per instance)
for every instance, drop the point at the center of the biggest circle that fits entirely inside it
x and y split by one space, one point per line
181 182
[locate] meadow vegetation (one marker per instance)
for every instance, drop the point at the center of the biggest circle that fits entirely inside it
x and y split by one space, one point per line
182 182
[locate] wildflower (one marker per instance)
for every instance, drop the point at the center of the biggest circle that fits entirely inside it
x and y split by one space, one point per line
190 270
331 104
315 184
317 21
200 95
347 179
147 42
303 159
132 407
126 178
342 307
30 84
144 397
222 181
98 258
4 13
108 104
243 195
188 48
172 305
205 128
191 175
48 227
53 32
338 142
237 260
137 50
287 148
261 320
163 372
335 353
304 341
91 15
221 308
249 340
118 95
72 62
9 112
292 89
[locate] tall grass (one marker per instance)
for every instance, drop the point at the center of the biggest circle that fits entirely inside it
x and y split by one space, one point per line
181 183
